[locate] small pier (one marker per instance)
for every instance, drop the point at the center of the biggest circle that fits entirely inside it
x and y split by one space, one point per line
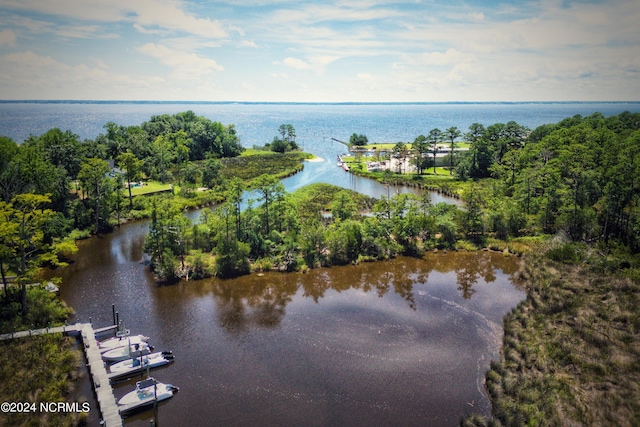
99 378
101 383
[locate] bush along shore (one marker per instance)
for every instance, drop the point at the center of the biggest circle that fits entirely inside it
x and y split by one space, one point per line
571 350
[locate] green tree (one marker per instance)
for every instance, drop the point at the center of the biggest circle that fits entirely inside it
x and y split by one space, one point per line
344 240
472 216
343 207
163 155
434 138
166 243
312 242
234 196
180 147
8 232
27 242
420 149
116 138
132 167
232 258
94 180
358 140
9 175
211 172
452 134
269 187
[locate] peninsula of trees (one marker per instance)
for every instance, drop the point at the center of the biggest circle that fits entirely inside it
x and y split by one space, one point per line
576 177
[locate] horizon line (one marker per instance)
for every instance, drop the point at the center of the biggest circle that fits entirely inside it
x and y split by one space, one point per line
89 101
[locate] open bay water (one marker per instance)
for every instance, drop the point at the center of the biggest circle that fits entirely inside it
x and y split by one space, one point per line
258 123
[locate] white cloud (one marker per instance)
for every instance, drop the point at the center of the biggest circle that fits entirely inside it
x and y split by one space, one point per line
147 15
313 13
248 43
296 63
170 15
451 56
365 77
26 75
184 65
337 50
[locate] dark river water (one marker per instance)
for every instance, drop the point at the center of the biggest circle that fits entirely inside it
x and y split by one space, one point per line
401 342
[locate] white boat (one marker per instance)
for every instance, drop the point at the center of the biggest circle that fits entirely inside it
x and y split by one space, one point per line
126 352
139 364
121 341
146 392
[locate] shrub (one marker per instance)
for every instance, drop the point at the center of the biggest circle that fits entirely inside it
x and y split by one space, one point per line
568 253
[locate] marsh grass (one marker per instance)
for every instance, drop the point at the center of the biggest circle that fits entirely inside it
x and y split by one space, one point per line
247 168
43 368
571 350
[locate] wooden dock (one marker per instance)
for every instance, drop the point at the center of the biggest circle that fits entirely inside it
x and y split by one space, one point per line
101 383
100 380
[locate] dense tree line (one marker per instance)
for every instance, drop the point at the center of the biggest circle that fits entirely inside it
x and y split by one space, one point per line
55 188
294 231
577 177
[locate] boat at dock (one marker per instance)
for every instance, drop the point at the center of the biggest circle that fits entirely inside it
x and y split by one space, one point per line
121 341
146 393
139 364
126 352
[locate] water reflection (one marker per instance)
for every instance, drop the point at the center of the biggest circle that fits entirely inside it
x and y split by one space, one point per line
261 300
400 342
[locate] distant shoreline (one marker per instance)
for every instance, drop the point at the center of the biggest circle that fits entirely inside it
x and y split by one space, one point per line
143 102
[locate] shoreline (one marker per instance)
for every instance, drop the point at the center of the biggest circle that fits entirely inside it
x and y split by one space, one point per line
570 350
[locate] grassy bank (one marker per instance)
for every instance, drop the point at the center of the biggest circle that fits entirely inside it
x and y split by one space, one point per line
249 167
571 350
42 368
442 182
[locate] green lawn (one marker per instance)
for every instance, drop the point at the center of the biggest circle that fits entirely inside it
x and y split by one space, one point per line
440 171
149 188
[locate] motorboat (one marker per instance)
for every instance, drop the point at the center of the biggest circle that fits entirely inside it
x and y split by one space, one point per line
51 287
146 392
139 364
121 341
126 352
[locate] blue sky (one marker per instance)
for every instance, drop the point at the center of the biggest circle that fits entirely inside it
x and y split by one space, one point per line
320 51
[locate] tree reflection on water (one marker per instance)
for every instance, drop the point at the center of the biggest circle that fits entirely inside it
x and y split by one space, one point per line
261 300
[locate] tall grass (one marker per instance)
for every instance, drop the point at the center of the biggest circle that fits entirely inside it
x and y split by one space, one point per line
43 368
570 350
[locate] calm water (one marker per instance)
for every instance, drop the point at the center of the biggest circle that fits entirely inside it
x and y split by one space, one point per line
257 124
403 342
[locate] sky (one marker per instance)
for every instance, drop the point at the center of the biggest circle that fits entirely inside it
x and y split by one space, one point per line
320 51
